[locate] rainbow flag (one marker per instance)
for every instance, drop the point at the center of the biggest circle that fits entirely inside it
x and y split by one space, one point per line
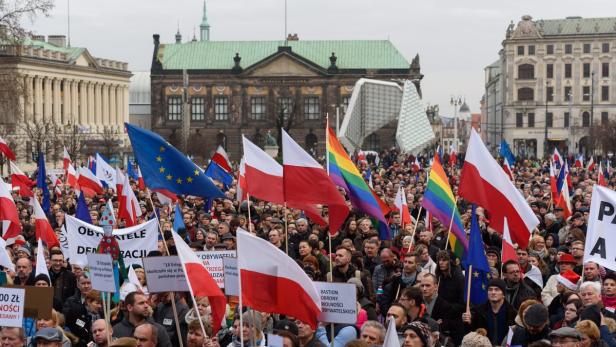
440 202
343 173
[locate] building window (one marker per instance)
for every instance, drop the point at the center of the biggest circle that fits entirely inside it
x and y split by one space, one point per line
586 93
566 125
526 72
587 48
549 71
520 50
567 70
197 109
605 47
519 120
345 103
605 93
568 94
568 48
312 109
221 108
285 105
549 94
174 108
526 94
549 119
586 70
586 119
531 50
549 49
605 69
257 108
531 120
605 118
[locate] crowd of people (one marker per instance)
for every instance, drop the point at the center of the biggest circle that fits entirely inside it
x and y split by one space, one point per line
413 278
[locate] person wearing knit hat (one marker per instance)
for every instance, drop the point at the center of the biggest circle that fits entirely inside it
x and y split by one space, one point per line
476 339
498 283
536 326
550 289
417 334
569 279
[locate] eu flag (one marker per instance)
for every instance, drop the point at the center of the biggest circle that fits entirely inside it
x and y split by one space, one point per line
130 171
164 167
82 212
216 172
476 265
178 219
41 182
505 152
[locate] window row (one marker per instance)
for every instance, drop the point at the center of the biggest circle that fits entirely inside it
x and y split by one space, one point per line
568 48
528 94
257 111
527 71
550 121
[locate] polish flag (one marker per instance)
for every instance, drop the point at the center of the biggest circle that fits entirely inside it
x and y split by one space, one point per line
402 206
591 164
119 180
130 209
11 227
484 183
66 159
6 150
41 264
240 192
453 158
508 251
221 158
71 177
57 184
306 183
140 181
564 201
553 186
275 283
416 166
507 169
44 230
568 176
5 259
263 179
88 181
200 281
558 159
166 197
579 161
19 179
601 176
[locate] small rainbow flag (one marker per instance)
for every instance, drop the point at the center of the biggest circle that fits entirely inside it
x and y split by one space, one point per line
343 173
440 202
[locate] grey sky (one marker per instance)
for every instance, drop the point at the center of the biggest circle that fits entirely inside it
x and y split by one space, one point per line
455 39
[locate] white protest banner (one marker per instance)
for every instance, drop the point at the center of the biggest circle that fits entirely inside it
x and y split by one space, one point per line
213 262
135 242
164 274
12 302
601 230
338 302
105 172
64 242
231 279
101 272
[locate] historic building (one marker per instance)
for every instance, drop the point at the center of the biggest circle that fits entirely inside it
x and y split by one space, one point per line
54 95
553 81
253 87
139 99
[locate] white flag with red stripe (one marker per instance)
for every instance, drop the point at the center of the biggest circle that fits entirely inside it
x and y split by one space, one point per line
508 250
591 164
88 182
275 283
4 148
402 206
71 177
130 208
19 179
484 183
41 264
222 159
44 230
564 200
240 192
11 227
66 159
507 169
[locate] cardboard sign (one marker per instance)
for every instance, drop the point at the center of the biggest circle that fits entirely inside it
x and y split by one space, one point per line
101 272
164 274
601 234
213 262
12 303
231 277
338 302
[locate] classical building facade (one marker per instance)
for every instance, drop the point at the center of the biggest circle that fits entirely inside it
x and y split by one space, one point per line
58 95
254 87
553 82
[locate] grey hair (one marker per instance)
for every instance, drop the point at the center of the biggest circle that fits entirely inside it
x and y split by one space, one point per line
594 285
376 325
550 216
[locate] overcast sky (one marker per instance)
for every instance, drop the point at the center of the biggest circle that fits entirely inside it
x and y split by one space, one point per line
454 39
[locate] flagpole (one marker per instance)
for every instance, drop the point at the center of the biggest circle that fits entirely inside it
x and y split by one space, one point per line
329 237
415 228
453 212
468 289
239 276
160 229
286 229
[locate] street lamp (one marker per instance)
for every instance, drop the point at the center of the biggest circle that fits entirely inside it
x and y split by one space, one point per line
592 111
455 102
545 139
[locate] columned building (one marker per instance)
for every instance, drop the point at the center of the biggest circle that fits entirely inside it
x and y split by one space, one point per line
55 95
553 82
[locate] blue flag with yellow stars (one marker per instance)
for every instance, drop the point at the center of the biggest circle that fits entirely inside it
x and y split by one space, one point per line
478 263
164 167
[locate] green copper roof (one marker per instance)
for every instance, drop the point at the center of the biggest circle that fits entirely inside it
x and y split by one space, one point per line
214 55
577 26
72 52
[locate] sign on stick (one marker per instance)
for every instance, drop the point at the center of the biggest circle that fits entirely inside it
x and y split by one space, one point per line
101 272
338 302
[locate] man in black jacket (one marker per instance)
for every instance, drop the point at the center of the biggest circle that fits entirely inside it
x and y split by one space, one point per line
75 313
138 313
62 280
163 314
517 291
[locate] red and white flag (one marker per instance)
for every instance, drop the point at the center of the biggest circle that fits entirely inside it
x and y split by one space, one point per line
140 181
19 179
129 208
416 166
558 159
302 171
41 264
71 177
57 184
240 192
508 251
263 178
166 197
484 183
275 283
44 231
11 227
579 161
6 150
200 281
507 169
564 201
591 164
601 176
402 206
88 182
553 186
119 180
66 159
453 157
222 159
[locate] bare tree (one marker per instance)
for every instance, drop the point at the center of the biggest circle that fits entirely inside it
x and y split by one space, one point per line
75 140
110 141
284 117
604 137
13 14
41 134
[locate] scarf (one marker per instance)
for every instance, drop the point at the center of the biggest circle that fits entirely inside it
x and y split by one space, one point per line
609 302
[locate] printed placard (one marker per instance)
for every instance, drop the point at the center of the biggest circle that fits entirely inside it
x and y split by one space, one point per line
338 302
213 262
165 274
101 272
231 278
12 302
